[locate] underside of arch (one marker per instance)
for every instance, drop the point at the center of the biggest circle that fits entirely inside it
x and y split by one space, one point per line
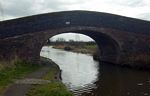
108 47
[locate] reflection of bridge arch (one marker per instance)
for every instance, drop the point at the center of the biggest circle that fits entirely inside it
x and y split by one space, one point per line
121 39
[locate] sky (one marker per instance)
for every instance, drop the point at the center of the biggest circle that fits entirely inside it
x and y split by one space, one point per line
72 36
10 9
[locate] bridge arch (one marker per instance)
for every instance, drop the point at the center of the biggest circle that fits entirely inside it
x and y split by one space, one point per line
108 45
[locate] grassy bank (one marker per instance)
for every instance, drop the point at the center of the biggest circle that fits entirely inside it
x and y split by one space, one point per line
51 89
55 88
85 49
18 70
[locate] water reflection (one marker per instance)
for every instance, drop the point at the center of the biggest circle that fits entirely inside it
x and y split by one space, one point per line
79 71
83 75
117 81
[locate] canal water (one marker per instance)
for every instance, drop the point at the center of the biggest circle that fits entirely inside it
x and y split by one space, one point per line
86 77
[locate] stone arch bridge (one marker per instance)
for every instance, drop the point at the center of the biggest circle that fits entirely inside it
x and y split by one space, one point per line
121 40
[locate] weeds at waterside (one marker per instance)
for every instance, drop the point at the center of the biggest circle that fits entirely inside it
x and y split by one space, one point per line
55 88
18 70
51 89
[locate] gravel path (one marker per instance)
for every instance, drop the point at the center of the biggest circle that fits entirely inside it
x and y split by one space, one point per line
21 87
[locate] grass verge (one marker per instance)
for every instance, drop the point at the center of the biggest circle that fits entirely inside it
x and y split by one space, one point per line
55 88
85 49
51 89
18 70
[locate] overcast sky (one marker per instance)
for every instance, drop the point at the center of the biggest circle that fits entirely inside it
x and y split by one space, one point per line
10 9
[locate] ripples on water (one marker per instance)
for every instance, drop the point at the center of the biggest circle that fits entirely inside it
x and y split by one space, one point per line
79 71
78 91
81 74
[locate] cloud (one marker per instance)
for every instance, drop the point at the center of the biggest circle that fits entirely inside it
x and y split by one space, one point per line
145 16
129 3
18 8
72 36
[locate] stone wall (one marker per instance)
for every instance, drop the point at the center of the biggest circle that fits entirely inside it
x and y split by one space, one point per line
121 40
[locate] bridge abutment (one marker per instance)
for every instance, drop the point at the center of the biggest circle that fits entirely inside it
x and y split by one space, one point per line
122 40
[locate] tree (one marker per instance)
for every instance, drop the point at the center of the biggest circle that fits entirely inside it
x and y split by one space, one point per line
60 40
71 40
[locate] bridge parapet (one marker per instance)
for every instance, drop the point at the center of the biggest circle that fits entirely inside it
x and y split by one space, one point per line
121 40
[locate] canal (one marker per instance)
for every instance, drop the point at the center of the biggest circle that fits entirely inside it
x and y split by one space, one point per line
86 77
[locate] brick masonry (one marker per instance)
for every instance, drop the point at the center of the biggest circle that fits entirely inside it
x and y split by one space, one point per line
121 40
